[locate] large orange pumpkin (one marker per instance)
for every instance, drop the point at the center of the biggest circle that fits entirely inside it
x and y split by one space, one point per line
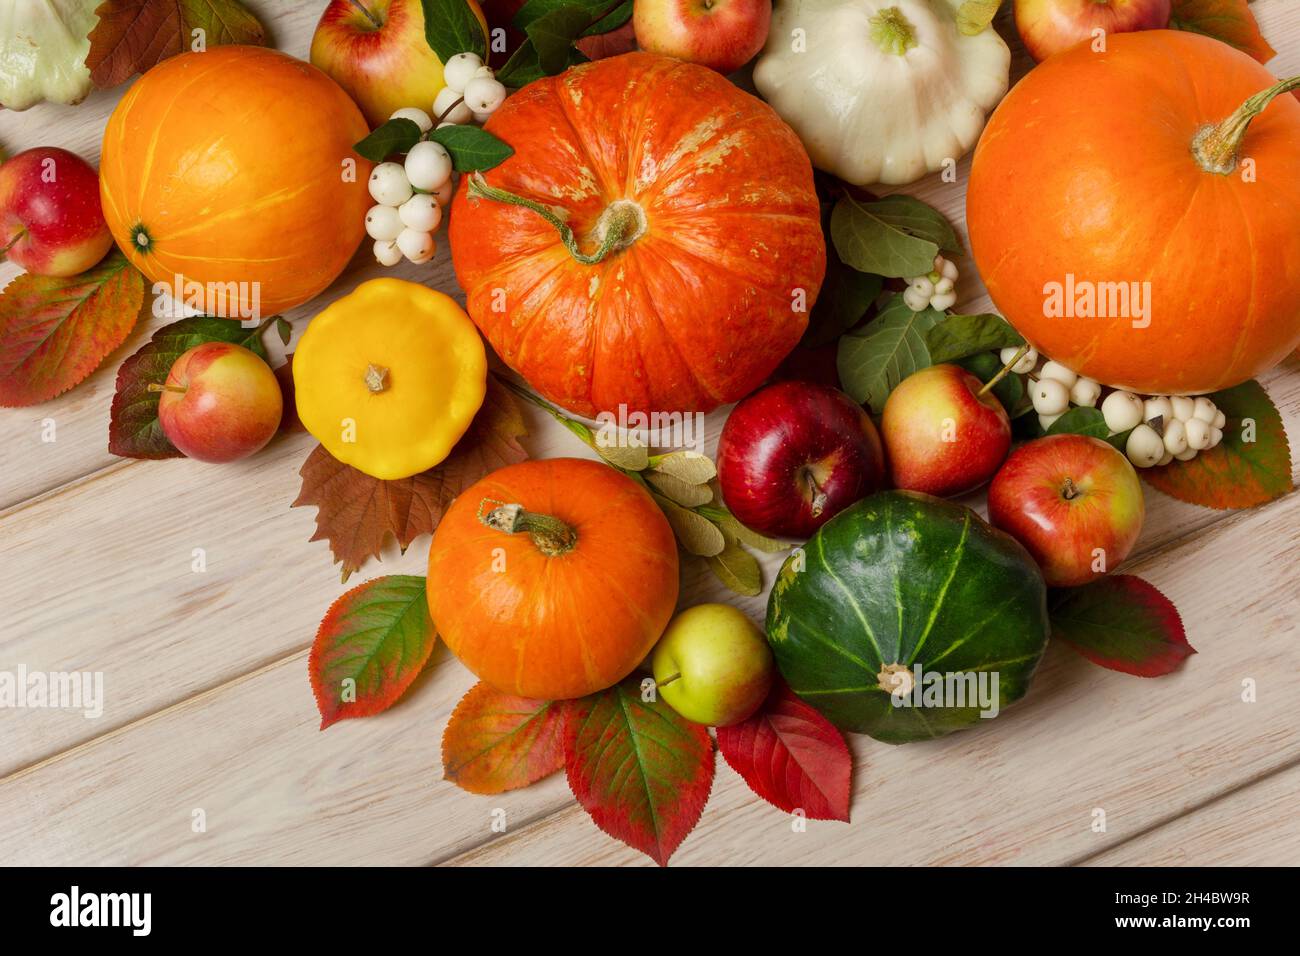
552 579
1103 171
231 166
695 249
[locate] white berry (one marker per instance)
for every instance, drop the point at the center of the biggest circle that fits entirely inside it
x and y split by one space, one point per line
1175 436
1122 411
943 300
428 165
443 193
1026 363
383 222
1220 419
481 118
1205 410
946 268
1182 406
421 212
459 70
944 285
416 245
1049 396
1186 455
1144 447
923 286
1198 434
389 185
1058 372
448 107
915 300
417 116
484 94
387 253
1047 421
1085 392
1157 407
1165 459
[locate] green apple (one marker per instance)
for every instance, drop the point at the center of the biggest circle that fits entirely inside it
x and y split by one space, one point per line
712 665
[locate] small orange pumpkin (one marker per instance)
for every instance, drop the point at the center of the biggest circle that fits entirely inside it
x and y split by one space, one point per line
552 579
1117 224
230 168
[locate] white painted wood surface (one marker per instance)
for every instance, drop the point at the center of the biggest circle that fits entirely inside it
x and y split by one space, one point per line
208 704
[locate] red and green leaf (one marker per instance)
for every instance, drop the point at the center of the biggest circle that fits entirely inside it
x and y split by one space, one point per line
496 742
1250 466
1123 623
792 757
1228 20
55 332
133 35
356 513
371 645
641 770
133 428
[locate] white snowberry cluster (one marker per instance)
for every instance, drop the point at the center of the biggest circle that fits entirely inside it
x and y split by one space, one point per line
1161 428
412 195
936 289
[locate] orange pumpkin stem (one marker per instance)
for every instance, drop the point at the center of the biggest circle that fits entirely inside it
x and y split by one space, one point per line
1217 148
621 224
551 535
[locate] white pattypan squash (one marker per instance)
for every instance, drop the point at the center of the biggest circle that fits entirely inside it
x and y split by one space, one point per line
881 91
43 47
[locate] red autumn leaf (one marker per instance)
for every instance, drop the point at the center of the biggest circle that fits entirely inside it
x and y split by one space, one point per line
792 757
615 42
1228 20
640 769
133 35
1250 466
1123 623
55 332
356 513
371 645
496 742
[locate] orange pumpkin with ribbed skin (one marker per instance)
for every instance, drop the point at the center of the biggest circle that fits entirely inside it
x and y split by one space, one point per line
563 598
719 253
227 166
1087 170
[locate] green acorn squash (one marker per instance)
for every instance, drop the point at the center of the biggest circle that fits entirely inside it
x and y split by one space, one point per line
898 580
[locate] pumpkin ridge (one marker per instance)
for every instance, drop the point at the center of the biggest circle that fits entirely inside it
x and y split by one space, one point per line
937 605
1252 314
853 602
564 98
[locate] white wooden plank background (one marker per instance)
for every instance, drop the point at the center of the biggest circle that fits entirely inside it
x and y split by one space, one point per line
208 705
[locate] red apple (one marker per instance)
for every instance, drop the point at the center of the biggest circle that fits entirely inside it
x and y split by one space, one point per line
1049 26
723 35
220 402
941 435
51 222
376 51
1073 501
793 455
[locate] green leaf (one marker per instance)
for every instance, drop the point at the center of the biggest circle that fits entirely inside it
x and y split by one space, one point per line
1121 622
845 298
553 34
450 27
897 236
371 645
1081 420
1010 389
471 147
873 361
133 428
1250 466
522 68
1227 20
959 336
731 526
620 13
974 16
284 329
597 10
395 136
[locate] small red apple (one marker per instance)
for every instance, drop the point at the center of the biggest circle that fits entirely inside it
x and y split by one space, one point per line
220 402
793 455
723 35
1073 501
1049 26
941 435
51 222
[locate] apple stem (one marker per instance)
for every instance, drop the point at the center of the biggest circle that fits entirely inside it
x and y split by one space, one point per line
156 387
369 15
667 680
1069 492
552 536
13 242
1217 147
818 495
1004 371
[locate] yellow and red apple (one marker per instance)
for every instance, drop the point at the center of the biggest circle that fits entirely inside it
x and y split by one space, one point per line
220 402
376 51
723 35
713 665
942 436
1073 501
1049 26
51 222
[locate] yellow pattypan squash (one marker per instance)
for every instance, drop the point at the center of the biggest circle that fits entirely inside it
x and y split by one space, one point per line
389 377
